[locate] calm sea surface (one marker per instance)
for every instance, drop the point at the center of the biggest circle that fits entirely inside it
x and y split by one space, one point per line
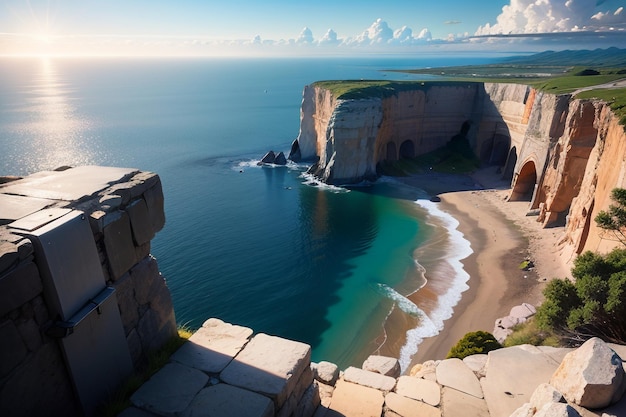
256 246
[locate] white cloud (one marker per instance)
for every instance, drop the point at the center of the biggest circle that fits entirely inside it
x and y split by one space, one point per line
329 38
306 36
549 16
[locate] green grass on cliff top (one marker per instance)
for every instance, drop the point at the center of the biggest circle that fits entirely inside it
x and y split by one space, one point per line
550 79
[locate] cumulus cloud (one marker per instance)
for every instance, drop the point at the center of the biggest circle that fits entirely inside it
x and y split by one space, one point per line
550 16
379 33
306 36
329 38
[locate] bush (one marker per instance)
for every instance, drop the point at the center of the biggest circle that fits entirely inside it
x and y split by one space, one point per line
474 343
594 305
529 333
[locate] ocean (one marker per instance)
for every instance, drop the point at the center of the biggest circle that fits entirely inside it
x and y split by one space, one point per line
264 247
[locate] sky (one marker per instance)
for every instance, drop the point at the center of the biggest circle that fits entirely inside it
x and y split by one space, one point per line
313 27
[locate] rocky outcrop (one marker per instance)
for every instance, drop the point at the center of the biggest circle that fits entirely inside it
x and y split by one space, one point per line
268 376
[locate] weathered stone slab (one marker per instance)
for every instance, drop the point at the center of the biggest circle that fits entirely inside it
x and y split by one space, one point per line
383 365
69 185
135 412
457 403
592 376
355 400
13 207
140 221
12 348
419 389
170 391
512 376
120 249
407 407
325 372
369 379
213 346
270 366
455 374
226 400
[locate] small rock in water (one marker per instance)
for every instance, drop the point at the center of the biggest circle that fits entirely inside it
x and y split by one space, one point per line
435 199
269 158
280 159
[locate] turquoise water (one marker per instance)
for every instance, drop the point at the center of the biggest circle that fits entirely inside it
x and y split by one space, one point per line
257 246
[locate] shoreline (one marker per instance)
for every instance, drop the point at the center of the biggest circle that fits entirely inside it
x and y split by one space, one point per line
501 236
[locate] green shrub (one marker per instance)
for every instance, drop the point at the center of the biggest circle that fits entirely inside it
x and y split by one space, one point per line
594 305
529 333
474 343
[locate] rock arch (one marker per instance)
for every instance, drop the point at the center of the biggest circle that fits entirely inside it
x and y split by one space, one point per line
407 149
525 182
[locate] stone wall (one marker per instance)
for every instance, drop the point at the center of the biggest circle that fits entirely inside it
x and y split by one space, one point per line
125 210
226 370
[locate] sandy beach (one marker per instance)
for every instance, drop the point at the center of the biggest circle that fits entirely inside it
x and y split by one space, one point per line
501 237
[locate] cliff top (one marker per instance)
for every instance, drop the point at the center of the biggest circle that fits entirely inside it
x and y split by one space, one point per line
359 89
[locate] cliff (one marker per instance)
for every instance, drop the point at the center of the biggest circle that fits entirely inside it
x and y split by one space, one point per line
562 154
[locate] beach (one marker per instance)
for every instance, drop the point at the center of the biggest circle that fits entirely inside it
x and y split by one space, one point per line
501 236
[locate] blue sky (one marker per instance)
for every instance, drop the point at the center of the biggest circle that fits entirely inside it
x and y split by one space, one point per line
231 27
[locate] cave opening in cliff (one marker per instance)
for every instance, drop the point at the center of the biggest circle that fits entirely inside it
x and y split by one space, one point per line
392 153
525 183
407 149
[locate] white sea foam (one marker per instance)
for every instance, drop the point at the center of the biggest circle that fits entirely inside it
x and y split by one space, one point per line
312 180
458 249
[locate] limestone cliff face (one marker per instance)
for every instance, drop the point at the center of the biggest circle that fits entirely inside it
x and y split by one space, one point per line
563 155
350 137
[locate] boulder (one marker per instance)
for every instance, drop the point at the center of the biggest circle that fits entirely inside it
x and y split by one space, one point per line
545 394
280 159
325 372
383 365
557 410
592 376
269 158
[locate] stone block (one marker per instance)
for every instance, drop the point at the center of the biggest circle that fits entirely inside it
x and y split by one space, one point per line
96 221
140 221
407 407
457 403
134 346
477 363
419 389
424 370
213 346
592 376
40 386
523 311
155 201
147 280
170 391
19 286
8 256
325 392
129 311
309 402
369 379
110 202
118 242
143 181
12 349
226 400
513 374
325 372
355 400
270 366
455 374
383 365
